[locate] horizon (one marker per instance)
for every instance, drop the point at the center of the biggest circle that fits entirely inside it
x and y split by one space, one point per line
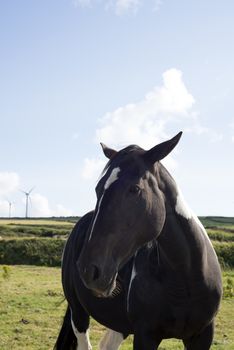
78 217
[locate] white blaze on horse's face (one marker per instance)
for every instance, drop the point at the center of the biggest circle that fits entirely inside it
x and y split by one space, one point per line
111 179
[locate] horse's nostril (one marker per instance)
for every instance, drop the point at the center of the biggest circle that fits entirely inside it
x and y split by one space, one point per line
94 272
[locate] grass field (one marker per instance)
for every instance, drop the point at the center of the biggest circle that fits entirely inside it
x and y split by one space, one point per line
31 309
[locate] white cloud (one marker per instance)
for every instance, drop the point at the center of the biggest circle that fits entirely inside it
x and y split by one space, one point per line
120 7
157 5
195 126
4 208
82 3
39 207
92 168
144 123
124 6
9 182
215 136
62 211
164 111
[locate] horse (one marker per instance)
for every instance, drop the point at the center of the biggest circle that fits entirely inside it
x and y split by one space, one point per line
141 263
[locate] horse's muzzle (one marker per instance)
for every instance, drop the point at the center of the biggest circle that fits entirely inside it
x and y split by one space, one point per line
99 282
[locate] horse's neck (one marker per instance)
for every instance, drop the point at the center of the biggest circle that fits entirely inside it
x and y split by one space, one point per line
181 244
182 238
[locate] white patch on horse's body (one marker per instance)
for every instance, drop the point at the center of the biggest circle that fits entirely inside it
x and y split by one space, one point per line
111 340
133 275
181 207
198 222
83 342
111 179
183 210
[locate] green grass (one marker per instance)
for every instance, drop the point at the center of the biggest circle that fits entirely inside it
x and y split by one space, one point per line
31 310
220 235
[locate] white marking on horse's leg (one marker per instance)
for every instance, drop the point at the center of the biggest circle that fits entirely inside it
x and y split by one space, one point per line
181 207
133 275
111 340
112 178
83 342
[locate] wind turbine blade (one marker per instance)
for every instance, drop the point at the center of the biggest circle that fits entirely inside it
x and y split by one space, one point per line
31 189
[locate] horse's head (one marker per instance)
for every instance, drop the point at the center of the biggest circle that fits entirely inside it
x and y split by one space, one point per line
130 211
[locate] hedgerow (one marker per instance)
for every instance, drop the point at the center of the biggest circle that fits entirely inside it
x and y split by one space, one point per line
48 252
43 251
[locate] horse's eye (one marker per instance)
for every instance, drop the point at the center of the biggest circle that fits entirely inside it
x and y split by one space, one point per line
134 189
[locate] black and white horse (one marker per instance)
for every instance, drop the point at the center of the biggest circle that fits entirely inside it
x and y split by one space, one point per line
141 263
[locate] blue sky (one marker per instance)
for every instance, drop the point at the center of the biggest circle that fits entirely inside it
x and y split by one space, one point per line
76 73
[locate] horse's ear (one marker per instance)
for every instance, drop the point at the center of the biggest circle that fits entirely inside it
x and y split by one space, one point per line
109 152
162 150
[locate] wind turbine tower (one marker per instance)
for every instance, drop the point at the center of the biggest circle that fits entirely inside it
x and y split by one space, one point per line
27 194
10 207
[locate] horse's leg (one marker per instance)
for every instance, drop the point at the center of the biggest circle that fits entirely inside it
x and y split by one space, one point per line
144 341
111 340
201 341
80 326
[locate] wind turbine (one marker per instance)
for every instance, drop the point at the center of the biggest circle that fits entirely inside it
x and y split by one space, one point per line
10 206
27 194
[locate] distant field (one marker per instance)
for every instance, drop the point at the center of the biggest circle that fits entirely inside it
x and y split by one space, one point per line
32 307
37 221
206 220
218 221
19 228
